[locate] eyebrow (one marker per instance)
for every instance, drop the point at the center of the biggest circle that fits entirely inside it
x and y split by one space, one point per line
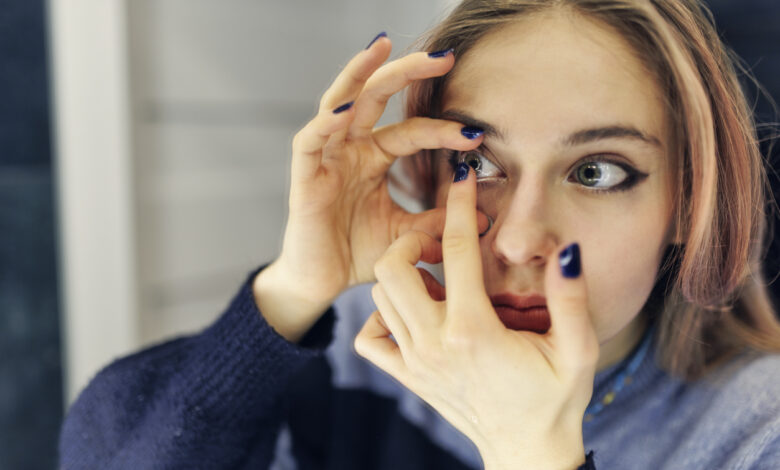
577 138
463 118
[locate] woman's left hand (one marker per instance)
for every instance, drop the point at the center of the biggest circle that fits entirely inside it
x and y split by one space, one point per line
518 395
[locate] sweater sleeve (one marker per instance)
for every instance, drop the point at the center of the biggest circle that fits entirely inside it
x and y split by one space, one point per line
212 400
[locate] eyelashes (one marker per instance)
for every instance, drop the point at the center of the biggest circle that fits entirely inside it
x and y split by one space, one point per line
596 174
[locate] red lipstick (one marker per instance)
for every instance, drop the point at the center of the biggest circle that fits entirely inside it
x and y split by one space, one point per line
527 312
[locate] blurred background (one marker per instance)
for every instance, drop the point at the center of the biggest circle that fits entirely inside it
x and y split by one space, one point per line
144 151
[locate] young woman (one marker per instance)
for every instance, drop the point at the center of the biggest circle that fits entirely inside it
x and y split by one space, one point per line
597 199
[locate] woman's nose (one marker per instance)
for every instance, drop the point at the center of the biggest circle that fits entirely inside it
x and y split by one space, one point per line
523 233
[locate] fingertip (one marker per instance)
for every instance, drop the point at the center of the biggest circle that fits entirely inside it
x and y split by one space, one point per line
472 132
382 35
462 172
563 273
569 261
442 53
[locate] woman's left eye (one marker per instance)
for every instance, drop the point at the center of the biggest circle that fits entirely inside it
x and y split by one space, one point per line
603 176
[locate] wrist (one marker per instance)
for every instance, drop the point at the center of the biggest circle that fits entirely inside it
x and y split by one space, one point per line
285 304
553 454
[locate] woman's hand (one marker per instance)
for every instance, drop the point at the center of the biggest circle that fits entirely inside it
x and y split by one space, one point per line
519 396
341 218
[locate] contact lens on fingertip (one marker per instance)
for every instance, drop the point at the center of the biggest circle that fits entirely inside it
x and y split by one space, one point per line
569 259
461 172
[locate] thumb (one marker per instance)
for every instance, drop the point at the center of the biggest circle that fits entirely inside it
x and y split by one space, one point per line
572 332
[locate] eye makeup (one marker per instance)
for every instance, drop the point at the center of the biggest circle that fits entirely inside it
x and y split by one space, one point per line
595 166
591 164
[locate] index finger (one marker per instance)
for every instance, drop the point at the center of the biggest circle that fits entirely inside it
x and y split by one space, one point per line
460 243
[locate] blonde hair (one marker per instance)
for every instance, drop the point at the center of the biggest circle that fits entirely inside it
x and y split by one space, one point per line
710 299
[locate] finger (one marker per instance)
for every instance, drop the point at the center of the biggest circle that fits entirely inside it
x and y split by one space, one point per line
572 333
460 246
336 109
392 319
315 134
392 78
432 222
414 134
403 285
350 81
373 343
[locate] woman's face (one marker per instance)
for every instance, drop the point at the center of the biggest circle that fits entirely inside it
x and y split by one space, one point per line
575 151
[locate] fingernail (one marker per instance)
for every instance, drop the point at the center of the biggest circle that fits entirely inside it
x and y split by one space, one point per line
378 36
569 260
471 132
343 107
461 172
440 54
490 225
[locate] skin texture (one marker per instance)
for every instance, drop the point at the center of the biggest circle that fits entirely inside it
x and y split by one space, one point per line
537 81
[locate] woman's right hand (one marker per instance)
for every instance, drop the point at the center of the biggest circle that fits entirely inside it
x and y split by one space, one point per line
341 217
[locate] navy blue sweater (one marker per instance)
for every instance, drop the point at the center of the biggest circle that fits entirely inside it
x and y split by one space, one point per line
240 396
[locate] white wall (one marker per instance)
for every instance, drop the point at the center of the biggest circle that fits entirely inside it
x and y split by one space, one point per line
175 119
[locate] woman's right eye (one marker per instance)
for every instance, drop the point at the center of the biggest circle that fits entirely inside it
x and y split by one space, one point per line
482 166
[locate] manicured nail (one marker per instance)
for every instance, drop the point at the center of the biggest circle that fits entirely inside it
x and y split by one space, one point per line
471 132
440 54
343 107
569 260
378 36
461 172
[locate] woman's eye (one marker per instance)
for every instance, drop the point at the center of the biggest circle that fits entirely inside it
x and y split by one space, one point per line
601 175
483 167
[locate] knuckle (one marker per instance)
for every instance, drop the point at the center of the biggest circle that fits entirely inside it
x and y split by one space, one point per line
376 292
360 344
298 139
382 269
324 100
459 338
455 244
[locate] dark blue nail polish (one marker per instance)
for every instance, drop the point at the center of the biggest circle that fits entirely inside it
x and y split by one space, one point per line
343 107
471 132
440 54
378 36
461 172
569 260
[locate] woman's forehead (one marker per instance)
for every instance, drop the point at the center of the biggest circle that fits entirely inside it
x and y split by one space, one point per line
555 73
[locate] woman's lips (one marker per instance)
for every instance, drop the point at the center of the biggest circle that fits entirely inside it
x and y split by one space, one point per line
536 319
522 312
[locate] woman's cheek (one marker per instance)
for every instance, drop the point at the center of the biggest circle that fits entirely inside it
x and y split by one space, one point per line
620 274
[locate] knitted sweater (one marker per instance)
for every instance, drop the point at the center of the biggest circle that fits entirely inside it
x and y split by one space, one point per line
240 396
